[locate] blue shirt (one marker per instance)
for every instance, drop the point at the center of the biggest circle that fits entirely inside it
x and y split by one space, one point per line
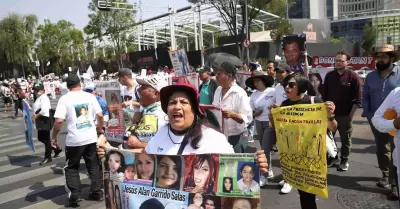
103 104
376 89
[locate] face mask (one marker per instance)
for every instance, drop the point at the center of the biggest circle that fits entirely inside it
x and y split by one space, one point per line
380 66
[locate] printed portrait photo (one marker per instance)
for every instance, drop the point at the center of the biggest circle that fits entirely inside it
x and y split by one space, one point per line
227 185
113 97
248 176
84 119
114 117
145 168
293 47
201 174
316 82
239 203
143 202
114 164
169 172
211 202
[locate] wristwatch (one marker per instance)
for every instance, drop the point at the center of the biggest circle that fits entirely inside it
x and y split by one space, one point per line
331 118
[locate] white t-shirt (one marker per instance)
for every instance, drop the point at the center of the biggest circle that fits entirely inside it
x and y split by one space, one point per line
43 103
130 94
78 109
280 94
261 101
63 88
165 142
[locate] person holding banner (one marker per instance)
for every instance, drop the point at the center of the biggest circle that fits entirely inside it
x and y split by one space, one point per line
295 88
129 92
41 116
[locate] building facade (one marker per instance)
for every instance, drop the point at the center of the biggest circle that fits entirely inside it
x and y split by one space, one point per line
313 9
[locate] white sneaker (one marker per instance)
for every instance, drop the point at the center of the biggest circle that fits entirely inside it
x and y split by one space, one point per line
263 181
281 183
250 140
286 189
270 174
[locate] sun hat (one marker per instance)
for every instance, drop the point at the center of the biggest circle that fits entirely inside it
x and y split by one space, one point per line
267 79
187 88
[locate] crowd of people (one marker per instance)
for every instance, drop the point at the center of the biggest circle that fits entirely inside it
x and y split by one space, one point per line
183 127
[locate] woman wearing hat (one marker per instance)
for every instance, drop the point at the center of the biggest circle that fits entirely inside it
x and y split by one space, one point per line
262 98
188 131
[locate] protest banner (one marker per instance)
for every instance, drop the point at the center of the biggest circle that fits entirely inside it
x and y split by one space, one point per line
357 63
115 126
28 125
301 139
180 62
139 180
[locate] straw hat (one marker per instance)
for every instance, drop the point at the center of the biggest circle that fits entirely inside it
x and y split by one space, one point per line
387 48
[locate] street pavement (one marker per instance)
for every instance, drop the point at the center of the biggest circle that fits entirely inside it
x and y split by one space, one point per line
25 184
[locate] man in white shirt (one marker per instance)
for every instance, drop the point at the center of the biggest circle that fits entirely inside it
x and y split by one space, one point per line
130 95
235 105
386 125
77 108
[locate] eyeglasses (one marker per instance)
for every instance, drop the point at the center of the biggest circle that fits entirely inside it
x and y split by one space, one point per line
289 84
341 61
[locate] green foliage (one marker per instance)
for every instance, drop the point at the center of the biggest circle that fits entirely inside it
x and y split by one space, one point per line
111 26
369 38
336 40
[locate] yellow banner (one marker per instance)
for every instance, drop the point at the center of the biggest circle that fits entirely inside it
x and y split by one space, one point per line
301 140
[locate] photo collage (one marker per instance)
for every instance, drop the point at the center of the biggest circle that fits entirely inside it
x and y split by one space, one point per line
211 181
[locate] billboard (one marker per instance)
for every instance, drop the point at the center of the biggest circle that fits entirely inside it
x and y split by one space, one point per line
317 31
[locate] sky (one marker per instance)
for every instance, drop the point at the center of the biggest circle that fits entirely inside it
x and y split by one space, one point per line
76 11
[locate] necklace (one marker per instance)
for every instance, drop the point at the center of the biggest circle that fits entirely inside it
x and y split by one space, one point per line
170 138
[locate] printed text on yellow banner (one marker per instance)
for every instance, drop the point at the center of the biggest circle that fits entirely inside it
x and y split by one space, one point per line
301 140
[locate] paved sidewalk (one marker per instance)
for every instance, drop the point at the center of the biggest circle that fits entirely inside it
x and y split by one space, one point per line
354 189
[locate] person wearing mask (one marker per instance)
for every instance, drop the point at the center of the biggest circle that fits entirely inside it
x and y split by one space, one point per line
78 108
386 125
207 87
343 87
295 88
378 84
235 104
260 101
42 118
91 88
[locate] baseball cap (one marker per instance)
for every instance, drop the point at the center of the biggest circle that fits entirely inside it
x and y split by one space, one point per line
154 81
124 72
89 87
206 69
73 80
283 67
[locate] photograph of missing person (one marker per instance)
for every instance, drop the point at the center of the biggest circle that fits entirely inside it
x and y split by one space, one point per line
130 171
249 176
114 164
114 119
316 82
169 172
201 174
145 167
195 201
211 202
227 185
294 47
84 119
239 203
113 97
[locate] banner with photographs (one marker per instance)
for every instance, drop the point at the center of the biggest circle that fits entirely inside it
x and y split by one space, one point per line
115 127
316 77
301 141
139 180
294 47
28 125
180 62
357 63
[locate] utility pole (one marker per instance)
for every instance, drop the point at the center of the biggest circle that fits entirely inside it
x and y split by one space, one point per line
247 27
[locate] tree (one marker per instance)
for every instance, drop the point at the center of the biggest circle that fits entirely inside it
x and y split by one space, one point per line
110 26
281 26
58 42
17 37
369 38
228 11
336 40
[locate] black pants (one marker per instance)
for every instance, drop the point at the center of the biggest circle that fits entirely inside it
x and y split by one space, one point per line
73 157
307 200
17 105
44 137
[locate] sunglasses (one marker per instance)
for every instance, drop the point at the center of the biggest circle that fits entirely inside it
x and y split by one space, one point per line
289 84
